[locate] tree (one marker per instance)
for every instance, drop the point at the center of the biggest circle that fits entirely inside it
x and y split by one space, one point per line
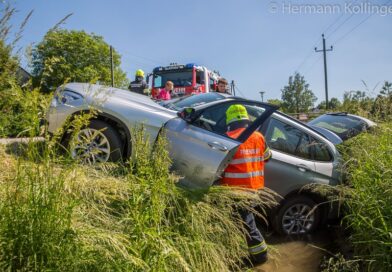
296 96
74 56
382 106
333 104
276 102
386 89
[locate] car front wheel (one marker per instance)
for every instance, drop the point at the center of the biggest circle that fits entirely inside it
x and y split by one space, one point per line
297 215
98 142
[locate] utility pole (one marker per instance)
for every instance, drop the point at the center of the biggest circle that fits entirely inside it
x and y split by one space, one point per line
232 87
262 96
111 65
325 69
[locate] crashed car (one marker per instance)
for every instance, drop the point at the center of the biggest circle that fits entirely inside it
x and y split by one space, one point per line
342 124
199 147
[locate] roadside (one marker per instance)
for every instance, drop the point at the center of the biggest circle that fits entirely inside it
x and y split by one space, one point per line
6 141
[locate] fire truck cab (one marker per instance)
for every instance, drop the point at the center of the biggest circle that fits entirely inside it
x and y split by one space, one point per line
187 79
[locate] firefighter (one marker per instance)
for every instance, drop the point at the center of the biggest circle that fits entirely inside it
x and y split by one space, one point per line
246 170
222 86
139 85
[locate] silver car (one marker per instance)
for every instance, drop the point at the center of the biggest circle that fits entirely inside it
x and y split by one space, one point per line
199 147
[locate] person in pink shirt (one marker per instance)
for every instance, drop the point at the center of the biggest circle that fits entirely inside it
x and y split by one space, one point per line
165 93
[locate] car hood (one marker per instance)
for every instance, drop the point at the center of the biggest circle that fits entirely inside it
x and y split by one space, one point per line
98 94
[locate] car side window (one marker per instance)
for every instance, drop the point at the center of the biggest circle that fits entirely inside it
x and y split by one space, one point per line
320 151
214 118
288 139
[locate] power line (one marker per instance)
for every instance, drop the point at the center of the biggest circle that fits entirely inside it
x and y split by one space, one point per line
314 63
354 28
138 62
155 62
235 86
358 25
341 16
333 23
317 41
339 26
305 59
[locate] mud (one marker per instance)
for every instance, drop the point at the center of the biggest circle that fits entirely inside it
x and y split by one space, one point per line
298 254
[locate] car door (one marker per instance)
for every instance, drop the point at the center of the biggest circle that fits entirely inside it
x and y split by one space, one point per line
291 166
328 163
200 149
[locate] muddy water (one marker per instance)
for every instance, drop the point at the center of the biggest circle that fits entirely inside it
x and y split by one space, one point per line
297 254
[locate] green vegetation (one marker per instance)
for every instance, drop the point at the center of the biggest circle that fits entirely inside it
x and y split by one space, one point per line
296 96
20 109
369 206
333 104
57 215
74 56
60 57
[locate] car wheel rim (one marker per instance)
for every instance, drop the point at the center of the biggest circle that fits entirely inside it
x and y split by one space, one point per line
91 146
298 219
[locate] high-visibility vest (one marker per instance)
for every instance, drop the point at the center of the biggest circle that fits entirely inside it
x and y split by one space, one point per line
247 166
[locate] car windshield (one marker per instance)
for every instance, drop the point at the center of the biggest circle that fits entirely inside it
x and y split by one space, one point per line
345 126
191 101
180 78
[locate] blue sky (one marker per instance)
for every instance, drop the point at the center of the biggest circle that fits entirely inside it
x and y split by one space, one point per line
257 43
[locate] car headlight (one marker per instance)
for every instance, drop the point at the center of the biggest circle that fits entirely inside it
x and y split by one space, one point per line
66 97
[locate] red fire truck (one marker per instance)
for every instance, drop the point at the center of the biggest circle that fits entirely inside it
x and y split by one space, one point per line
187 79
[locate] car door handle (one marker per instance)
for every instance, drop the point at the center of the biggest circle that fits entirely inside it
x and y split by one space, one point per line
303 167
217 145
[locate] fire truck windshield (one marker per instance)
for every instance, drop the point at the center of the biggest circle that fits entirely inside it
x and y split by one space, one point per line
180 78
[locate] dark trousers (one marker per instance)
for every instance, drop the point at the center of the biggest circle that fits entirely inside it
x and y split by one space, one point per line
256 244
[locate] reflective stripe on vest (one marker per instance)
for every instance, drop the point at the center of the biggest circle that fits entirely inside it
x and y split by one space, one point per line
267 154
260 248
244 160
244 175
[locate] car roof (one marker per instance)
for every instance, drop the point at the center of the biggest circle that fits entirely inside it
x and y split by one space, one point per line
367 121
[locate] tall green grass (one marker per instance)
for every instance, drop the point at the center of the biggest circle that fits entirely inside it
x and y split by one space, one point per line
365 201
369 207
57 215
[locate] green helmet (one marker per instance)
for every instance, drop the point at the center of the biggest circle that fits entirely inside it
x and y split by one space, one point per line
140 72
236 113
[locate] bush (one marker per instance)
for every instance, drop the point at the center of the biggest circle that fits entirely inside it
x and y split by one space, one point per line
21 111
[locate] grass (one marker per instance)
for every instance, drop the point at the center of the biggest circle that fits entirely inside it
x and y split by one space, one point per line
366 202
370 203
56 215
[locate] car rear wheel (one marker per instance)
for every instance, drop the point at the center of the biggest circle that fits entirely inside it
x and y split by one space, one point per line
98 142
297 215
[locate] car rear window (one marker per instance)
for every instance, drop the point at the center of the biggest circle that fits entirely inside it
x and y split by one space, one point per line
345 126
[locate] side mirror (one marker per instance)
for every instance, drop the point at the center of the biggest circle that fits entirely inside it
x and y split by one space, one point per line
187 114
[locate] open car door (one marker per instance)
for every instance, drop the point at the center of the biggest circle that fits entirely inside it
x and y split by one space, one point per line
198 144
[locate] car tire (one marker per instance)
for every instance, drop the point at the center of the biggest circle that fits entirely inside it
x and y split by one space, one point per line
98 142
297 215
